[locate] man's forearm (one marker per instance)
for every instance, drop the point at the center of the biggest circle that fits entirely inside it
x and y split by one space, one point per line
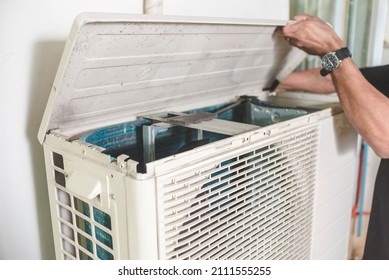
309 81
365 107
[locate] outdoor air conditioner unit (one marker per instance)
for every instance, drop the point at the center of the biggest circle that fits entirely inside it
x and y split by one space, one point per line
161 142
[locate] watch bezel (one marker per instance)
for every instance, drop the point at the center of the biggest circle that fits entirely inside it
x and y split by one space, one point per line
330 61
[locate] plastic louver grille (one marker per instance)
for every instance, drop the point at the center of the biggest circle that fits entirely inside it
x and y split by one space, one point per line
256 204
84 229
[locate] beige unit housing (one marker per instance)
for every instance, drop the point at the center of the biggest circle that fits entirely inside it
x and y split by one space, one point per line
163 139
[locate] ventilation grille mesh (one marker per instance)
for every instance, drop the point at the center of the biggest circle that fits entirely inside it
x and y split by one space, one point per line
256 204
84 229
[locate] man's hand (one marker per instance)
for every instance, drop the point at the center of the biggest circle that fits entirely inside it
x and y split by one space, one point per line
311 34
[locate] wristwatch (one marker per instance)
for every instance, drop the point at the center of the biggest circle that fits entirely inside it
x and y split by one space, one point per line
332 60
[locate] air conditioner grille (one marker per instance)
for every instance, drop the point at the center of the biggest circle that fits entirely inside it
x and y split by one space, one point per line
255 204
85 230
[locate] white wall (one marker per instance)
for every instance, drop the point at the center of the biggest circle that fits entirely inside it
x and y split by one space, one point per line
33 35
387 24
264 9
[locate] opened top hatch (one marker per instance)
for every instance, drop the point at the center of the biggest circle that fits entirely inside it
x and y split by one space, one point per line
117 66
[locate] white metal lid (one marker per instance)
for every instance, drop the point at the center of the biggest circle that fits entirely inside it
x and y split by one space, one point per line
116 67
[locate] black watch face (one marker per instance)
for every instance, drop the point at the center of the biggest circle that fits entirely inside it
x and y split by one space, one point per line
330 62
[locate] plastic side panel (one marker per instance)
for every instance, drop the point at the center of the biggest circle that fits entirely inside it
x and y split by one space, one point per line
335 191
329 244
338 144
339 247
53 206
332 218
86 227
142 220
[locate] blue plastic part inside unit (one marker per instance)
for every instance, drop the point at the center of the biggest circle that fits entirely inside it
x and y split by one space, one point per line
114 136
126 138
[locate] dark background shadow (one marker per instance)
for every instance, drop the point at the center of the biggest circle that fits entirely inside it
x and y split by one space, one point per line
47 55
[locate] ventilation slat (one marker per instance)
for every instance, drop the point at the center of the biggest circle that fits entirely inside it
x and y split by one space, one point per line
252 205
185 214
183 202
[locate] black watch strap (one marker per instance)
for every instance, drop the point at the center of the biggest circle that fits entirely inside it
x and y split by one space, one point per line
324 72
343 53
